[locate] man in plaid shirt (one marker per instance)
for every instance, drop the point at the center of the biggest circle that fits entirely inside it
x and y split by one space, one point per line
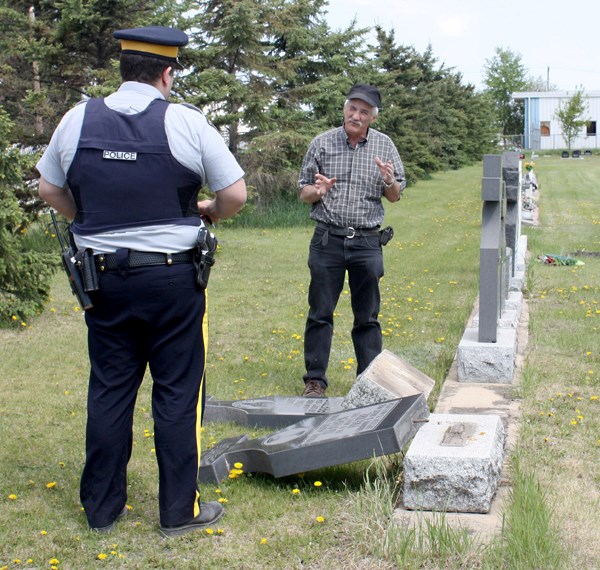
345 174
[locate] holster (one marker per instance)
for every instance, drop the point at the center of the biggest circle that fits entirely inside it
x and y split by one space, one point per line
385 235
84 260
204 256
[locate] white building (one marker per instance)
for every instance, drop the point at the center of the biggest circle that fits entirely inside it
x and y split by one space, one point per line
542 130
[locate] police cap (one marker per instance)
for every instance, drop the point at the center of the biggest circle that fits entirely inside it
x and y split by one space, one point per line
156 41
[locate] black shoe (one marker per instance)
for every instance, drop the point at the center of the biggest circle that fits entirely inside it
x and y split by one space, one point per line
109 527
209 513
314 389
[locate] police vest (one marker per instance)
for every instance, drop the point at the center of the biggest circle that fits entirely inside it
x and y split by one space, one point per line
123 174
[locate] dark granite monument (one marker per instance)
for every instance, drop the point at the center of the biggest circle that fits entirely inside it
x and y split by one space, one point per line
492 259
269 411
320 441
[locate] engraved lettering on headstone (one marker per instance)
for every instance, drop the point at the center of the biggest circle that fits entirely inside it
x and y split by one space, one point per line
355 421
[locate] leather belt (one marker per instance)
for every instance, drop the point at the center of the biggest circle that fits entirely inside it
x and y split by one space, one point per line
107 261
348 232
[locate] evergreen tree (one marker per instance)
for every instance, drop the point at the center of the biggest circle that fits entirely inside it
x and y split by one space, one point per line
24 274
268 75
52 53
435 121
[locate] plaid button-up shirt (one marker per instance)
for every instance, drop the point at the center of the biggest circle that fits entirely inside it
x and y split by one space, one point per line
355 198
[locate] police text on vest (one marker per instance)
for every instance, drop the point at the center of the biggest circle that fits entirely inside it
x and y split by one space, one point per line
119 155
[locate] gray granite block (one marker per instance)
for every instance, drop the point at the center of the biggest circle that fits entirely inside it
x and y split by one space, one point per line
454 463
387 377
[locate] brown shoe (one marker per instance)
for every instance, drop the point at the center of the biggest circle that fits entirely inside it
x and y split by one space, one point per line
313 389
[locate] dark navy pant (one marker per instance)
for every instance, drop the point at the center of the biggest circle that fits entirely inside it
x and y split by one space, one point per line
330 257
155 317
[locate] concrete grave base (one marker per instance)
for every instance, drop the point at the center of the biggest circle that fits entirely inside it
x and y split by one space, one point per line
487 361
388 377
454 463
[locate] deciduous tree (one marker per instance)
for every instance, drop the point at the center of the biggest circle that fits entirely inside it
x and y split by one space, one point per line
572 116
505 74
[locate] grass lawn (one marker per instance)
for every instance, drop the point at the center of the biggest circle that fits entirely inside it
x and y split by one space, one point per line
257 301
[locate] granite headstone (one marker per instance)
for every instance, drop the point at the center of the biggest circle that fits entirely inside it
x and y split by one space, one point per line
320 441
269 411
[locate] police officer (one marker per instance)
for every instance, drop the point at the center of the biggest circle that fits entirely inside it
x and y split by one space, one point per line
127 169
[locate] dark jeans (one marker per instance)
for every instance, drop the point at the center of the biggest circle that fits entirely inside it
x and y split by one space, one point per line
329 259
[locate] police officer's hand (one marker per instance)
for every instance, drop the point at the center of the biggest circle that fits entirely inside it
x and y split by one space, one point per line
226 203
206 209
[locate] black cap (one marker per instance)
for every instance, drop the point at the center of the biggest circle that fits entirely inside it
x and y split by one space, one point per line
367 93
155 41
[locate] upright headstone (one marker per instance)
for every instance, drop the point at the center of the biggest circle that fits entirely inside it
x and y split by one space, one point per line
492 250
511 174
320 441
487 350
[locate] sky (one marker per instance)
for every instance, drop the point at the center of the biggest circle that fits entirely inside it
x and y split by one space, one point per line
557 40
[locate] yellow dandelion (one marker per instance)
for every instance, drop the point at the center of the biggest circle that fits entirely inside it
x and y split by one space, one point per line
43 532
593 398
102 556
220 531
263 541
209 531
238 465
320 519
54 561
218 491
573 422
51 485
317 483
295 491
12 496
222 500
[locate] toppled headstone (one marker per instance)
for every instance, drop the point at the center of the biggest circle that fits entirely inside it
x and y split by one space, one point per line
320 441
387 377
269 411
454 463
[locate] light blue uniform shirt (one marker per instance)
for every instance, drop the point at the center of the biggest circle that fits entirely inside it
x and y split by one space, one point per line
193 142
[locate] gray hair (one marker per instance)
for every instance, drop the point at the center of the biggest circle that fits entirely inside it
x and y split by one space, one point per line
374 110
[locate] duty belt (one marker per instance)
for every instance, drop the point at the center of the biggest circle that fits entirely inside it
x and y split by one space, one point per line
107 261
348 232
